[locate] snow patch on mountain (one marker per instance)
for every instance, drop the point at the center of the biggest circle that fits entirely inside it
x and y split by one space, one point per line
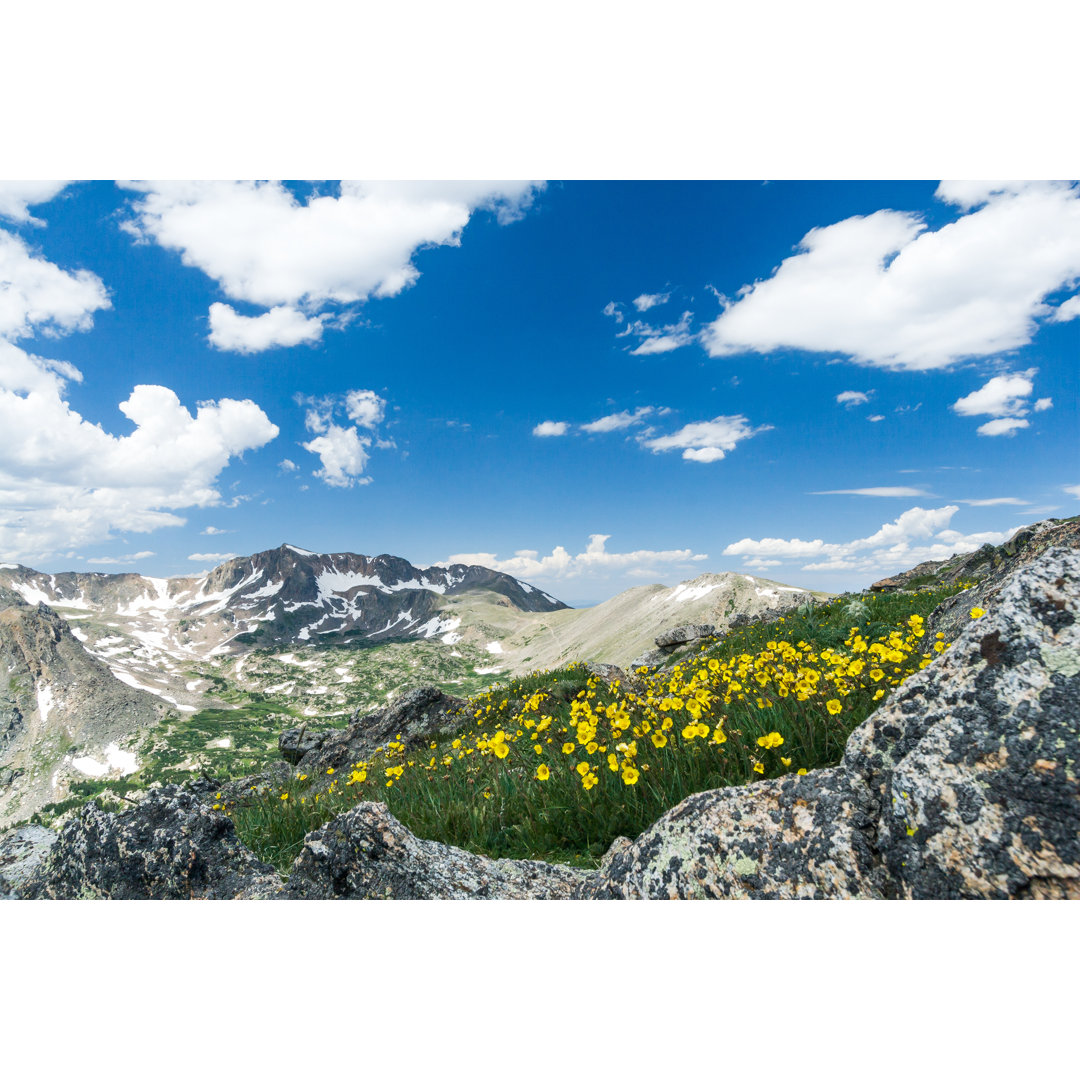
116 760
44 702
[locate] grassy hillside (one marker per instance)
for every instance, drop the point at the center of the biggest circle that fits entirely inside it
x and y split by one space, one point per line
558 764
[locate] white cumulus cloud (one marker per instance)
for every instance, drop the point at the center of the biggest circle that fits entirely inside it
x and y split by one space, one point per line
37 296
1005 426
263 245
1070 309
1003 395
595 560
850 398
212 556
17 196
917 535
343 453
280 327
649 300
887 291
706 440
549 428
342 449
617 421
365 408
66 483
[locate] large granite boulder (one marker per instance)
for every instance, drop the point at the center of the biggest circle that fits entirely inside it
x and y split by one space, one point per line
367 854
172 846
963 784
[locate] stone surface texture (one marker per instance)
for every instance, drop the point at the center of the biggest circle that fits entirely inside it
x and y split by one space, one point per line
995 567
963 784
171 846
680 635
367 854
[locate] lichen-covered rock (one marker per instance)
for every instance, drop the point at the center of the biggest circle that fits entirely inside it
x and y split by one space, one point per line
790 838
998 566
976 761
21 850
964 784
414 717
680 635
367 854
172 846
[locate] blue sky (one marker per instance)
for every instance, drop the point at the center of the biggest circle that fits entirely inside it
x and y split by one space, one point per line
590 385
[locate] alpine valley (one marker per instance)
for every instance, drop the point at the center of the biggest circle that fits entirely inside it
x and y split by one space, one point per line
118 681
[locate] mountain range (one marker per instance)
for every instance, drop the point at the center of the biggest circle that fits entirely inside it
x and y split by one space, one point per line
95 661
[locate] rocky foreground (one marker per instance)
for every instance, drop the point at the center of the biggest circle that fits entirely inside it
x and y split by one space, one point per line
963 785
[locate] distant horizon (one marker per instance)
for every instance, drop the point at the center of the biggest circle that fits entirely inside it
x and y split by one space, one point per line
759 576
586 385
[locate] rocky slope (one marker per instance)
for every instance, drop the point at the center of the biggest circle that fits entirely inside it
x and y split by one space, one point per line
962 785
62 714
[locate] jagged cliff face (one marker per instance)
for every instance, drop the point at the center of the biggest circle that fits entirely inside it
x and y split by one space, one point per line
62 713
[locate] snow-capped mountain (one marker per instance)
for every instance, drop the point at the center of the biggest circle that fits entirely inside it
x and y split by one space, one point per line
283 596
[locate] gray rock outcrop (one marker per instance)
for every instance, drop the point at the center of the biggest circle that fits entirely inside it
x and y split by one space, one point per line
171 846
998 566
609 673
963 785
680 635
415 717
367 854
